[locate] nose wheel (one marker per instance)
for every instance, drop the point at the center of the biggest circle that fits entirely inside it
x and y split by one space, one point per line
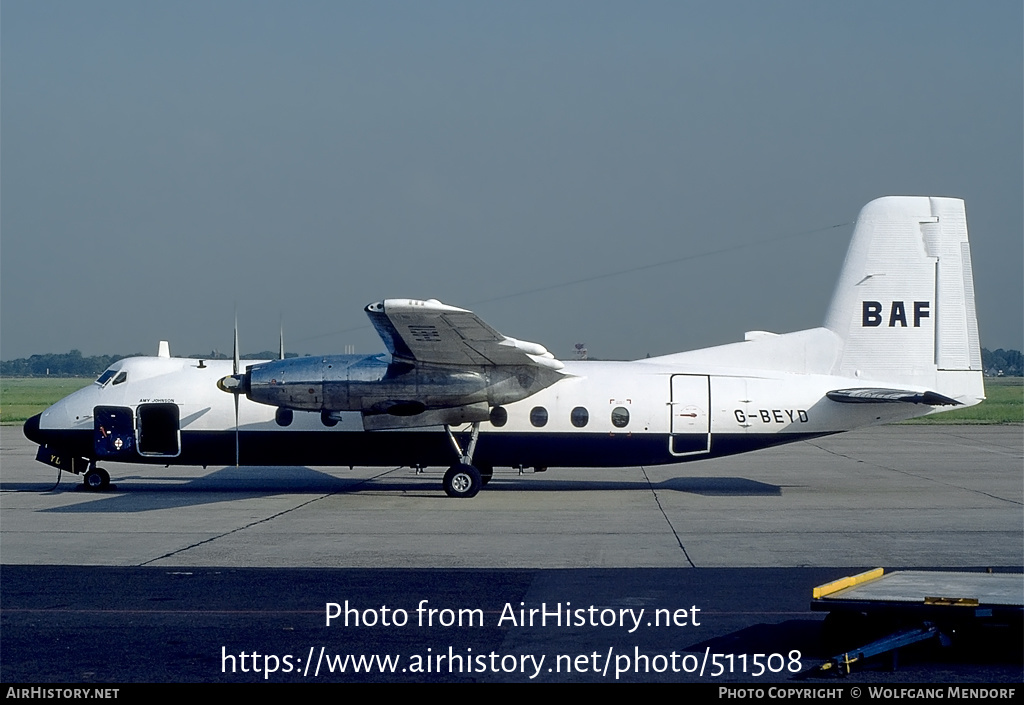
96 479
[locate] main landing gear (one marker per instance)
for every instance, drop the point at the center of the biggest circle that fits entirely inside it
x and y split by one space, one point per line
463 479
95 478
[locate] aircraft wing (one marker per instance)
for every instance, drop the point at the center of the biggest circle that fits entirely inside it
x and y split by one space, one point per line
875 395
435 333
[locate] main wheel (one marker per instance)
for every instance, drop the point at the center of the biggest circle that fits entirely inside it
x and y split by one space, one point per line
462 481
486 473
96 479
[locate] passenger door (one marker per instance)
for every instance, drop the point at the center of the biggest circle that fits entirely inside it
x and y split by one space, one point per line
691 417
158 430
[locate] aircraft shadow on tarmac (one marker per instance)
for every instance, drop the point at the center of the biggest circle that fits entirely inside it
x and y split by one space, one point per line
140 493
707 486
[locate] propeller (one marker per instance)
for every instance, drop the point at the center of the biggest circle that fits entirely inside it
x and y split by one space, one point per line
238 384
234 373
234 383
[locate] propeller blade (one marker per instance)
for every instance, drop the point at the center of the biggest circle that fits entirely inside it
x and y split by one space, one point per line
234 354
236 432
234 369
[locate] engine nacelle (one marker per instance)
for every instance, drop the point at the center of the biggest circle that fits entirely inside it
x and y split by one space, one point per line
376 384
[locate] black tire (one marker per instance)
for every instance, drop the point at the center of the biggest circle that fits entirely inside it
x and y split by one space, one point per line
462 481
486 473
96 479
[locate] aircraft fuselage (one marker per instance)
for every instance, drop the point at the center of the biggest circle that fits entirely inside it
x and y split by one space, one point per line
601 414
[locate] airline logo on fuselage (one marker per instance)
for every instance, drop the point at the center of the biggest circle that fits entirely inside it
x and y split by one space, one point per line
872 316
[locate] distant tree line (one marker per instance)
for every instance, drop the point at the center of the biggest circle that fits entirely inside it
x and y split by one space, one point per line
264 355
70 364
1008 363
74 364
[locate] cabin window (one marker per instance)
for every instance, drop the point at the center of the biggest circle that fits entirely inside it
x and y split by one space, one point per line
579 417
499 416
539 416
105 377
121 377
620 417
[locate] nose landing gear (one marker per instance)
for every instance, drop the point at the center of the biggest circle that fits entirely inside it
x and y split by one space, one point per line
96 478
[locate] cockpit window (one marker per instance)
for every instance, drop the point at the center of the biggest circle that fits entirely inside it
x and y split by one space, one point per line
105 377
121 377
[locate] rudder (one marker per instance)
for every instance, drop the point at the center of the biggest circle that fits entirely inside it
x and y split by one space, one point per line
904 304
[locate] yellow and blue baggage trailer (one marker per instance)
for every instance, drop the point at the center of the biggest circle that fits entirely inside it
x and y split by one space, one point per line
876 613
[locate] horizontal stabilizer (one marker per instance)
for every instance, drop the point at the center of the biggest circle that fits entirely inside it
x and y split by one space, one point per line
874 395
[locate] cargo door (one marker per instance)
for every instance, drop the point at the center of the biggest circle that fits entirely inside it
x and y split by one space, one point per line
113 432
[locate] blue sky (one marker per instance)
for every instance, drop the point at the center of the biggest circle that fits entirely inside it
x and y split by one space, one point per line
163 162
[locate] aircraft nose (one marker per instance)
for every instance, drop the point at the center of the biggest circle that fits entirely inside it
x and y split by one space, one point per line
32 430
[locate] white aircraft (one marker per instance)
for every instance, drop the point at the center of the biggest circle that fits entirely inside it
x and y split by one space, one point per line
900 340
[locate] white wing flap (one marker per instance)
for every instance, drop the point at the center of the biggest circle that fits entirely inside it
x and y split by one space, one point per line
433 332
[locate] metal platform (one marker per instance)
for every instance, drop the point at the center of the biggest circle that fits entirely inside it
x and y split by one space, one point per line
906 607
981 595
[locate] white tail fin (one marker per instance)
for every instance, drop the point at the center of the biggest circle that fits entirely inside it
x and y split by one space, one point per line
904 304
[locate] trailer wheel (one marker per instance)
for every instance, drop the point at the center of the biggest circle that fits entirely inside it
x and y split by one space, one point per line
844 629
